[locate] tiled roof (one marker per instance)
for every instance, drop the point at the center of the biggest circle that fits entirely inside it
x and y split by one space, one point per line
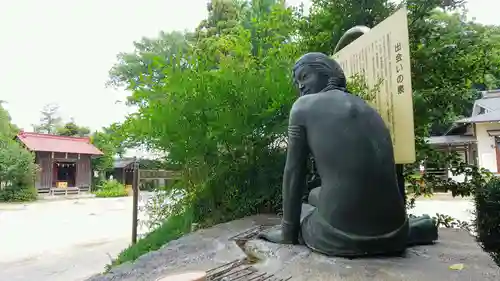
53 143
489 103
493 116
452 139
122 162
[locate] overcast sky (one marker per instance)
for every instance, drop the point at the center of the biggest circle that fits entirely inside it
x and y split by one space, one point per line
57 51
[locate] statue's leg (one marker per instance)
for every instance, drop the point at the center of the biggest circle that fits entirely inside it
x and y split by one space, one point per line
313 198
423 231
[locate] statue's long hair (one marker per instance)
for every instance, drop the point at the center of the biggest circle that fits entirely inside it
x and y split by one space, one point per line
328 68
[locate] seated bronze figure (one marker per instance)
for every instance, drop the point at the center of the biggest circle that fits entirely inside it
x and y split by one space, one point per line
358 210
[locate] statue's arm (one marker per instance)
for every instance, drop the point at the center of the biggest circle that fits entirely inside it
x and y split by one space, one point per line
294 176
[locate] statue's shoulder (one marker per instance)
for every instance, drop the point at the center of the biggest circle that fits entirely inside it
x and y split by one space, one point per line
303 102
337 99
343 98
300 108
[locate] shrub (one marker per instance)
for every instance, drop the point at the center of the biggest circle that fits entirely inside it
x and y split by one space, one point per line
17 170
111 188
487 223
18 193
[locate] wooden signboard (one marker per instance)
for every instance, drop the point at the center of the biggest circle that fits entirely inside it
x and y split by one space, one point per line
62 184
157 174
382 56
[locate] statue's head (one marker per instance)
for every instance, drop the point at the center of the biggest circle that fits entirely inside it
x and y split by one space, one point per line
317 72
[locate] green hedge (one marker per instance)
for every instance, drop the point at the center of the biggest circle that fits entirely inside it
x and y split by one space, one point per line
487 201
111 188
18 193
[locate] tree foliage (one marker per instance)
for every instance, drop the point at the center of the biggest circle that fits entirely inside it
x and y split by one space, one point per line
6 127
71 129
327 21
487 201
144 66
49 121
17 168
191 112
110 141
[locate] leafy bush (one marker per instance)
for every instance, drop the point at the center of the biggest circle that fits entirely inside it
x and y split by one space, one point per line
172 228
487 224
111 188
19 193
17 170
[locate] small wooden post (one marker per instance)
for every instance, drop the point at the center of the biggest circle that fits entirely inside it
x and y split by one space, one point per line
135 199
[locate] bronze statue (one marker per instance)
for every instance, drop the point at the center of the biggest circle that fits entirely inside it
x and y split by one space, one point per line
358 210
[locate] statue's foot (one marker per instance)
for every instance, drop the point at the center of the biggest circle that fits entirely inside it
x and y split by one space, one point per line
423 231
274 235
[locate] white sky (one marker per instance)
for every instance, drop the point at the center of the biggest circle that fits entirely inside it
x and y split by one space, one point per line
57 51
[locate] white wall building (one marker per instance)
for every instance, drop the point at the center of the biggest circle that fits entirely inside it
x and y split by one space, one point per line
484 126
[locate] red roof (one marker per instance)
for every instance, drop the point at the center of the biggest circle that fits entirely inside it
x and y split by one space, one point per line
53 143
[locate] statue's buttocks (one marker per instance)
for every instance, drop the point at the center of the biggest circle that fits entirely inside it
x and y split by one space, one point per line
359 209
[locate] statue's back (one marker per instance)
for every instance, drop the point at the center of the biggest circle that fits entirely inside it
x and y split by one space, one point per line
353 151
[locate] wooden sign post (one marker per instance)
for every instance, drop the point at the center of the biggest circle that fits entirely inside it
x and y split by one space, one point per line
135 199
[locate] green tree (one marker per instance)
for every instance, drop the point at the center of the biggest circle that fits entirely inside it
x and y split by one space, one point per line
109 141
17 167
227 155
143 67
446 66
7 129
223 18
327 21
50 120
119 139
71 129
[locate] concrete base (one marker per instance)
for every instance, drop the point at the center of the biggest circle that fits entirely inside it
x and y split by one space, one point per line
209 248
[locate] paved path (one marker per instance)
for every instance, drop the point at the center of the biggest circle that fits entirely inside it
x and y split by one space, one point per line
460 209
62 240
74 239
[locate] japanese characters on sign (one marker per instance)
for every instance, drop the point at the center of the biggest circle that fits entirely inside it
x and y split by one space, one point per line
382 57
399 68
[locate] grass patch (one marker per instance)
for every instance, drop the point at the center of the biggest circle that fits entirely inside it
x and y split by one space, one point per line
171 229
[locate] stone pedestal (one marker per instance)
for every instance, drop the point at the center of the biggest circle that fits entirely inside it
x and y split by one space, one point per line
455 257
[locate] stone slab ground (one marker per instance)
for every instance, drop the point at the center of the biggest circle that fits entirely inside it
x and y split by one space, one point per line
209 248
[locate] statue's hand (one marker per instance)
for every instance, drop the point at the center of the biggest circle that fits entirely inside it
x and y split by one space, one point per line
274 235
